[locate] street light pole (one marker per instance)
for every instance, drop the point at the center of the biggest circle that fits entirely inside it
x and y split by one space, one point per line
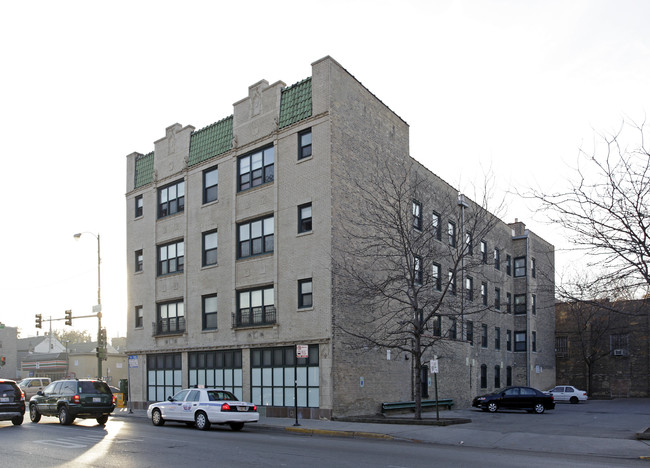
99 299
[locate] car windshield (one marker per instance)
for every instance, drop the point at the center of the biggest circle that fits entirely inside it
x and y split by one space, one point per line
93 387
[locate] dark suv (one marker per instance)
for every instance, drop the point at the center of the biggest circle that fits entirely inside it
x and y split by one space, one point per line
12 402
70 399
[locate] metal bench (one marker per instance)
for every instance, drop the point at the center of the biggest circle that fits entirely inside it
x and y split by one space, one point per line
401 405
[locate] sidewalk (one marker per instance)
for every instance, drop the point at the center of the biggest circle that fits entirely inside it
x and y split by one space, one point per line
457 434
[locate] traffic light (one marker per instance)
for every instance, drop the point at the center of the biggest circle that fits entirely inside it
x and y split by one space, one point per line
39 321
3 361
101 338
68 317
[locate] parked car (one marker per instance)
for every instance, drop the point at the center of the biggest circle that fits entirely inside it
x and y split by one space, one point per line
524 398
201 407
32 385
12 402
71 399
568 393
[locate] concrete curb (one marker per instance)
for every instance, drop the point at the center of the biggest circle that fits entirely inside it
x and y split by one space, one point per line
334 433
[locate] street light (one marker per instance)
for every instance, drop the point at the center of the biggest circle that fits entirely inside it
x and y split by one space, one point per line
99 296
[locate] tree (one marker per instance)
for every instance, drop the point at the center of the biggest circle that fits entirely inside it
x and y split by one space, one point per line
389 266
72 336
606 210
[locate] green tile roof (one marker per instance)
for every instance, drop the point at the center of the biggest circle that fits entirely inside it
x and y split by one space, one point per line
296 103
210 141
143 169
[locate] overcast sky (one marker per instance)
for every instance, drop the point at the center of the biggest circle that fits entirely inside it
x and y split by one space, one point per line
509 87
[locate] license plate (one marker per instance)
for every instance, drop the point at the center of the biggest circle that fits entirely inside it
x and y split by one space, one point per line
97 399
5 400
242 408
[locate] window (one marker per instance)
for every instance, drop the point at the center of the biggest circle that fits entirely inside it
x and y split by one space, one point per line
304 218
220 369
255 237
437 325
483 376
497 338
437 229
520 303
138 260
508 265
305 293
484 336
209 312
417 271
520 267
451 233
255 307
619 344
171 318
435 276
509 340
470 332
497 298
533 305
452 282
210 185
139 317
417 215
453 329
468 243
497 377
520 341
304 144
171 199
469 288
483 251
561 346
164 376
139 206
497 259
533 268
508 376
210 248
508 302
484 293
171 258
534 341
256 168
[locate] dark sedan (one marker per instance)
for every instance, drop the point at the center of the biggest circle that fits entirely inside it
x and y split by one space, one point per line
519 398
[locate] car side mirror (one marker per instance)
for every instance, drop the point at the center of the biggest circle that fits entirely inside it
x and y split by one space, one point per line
170 398
40 393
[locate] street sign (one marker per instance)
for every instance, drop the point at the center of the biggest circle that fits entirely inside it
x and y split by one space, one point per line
133 361
302 351
97 308
433 366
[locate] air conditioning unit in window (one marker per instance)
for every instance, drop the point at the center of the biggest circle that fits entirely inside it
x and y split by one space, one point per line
619 352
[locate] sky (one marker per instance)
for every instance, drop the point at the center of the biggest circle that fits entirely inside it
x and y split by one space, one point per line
504 87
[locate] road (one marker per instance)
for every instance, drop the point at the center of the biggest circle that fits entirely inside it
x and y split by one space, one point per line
136 443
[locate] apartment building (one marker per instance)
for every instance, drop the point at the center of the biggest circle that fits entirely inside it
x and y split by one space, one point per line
232 235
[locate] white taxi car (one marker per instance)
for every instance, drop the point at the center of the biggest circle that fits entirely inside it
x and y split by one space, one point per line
568 393
202 407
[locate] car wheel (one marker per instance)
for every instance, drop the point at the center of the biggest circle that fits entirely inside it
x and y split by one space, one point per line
18 420
539 408
156 418
102 419
236 426
201 421
64 416
34 415
574 400
492 407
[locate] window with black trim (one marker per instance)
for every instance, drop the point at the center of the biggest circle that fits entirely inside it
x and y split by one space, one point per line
484 293
508 376
520 341
255 307
171 258
497 376
483 251
210 243
209 312
417 270
533 341
469 243
436 225
139 206
508 340
453 329
509 302
255 237
452 282
497 298
484 335
170 318
164 375
256 168
497 338
469 288
520 267
483 376
304 218
470 332
304 144
437 325
436 277
305 297
533 304
520 303
139 260
210 185
533 268
497 259
451 233
139 317
220 369
417 215
561 346
171 199
508 265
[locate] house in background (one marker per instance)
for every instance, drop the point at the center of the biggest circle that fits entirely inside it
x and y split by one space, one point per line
82 363
41 356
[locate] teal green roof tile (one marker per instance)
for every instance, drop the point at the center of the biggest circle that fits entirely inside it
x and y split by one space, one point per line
143 169
210 141
296 103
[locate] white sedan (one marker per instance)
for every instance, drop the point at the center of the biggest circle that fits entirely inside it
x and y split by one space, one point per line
202 407
568 393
